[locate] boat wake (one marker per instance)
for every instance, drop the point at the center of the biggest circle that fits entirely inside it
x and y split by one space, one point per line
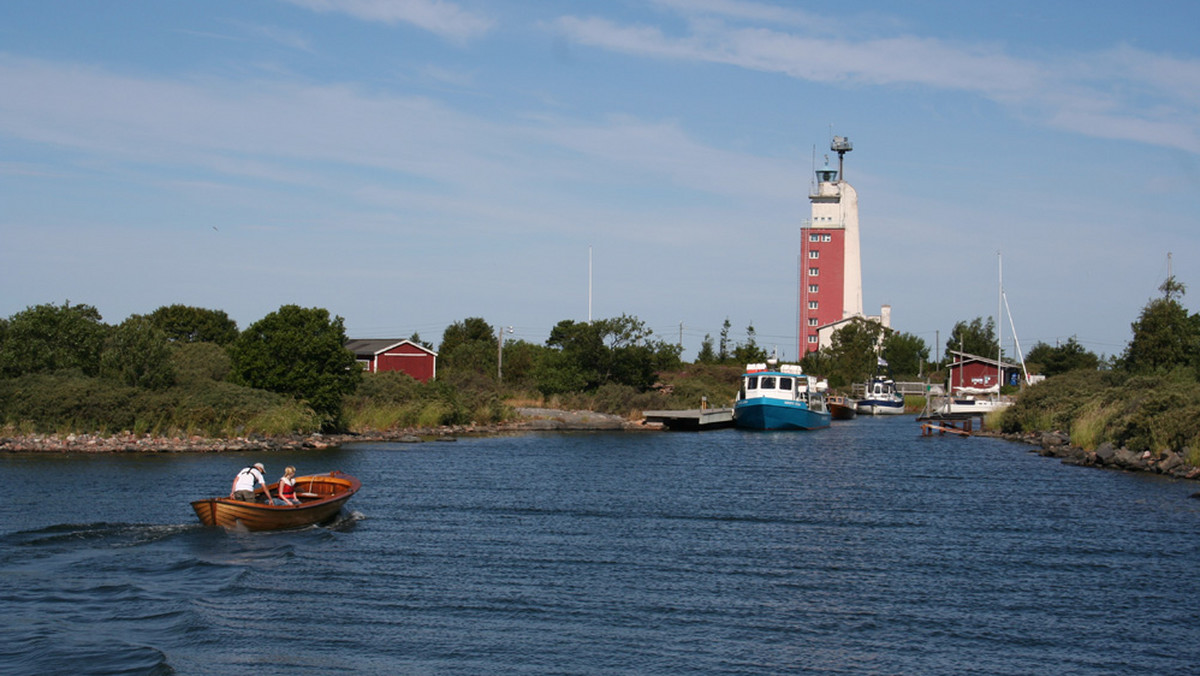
112 534
346 520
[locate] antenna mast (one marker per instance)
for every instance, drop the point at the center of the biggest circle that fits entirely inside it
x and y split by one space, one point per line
841 145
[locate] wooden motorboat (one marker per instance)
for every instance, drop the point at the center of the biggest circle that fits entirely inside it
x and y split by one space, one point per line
321 498
841 407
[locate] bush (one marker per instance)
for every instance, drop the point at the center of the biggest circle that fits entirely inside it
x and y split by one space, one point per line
197 362
72 402
68 401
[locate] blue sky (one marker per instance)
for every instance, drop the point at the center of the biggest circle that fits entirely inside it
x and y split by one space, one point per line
409 164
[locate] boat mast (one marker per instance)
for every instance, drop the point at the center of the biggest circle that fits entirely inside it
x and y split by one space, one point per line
1000 326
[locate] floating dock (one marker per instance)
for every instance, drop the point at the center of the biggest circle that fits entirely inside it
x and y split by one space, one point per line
692 419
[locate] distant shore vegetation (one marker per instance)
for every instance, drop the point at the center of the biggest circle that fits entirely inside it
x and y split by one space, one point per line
183 370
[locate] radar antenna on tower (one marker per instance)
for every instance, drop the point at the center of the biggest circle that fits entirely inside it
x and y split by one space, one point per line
841 145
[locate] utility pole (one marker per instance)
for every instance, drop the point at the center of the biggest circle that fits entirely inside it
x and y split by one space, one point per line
500 353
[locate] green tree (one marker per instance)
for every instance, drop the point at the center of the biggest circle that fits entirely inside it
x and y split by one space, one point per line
200 362
520 362
186 324
469 345
905 353
707 354
299 352
588 355
723 354
138 354
48 338
749 352
1069 356
975 337
853 351
1164 335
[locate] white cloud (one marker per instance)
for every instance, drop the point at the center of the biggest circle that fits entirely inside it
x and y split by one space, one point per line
442 18
1121 93
378 150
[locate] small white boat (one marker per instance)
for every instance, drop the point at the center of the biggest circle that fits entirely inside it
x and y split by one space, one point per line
881 397
972 400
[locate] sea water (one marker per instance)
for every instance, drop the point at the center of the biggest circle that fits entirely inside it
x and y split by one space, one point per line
861 549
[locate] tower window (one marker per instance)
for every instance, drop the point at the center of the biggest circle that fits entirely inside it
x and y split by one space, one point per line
812 305
813 321
814 254
814 288
813 272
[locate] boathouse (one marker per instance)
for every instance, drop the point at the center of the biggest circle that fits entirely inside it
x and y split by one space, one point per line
970 373
379 355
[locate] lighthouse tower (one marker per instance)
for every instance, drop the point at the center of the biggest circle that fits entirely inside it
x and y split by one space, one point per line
830 261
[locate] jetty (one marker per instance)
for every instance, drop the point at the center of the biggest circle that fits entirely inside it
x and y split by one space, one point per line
961 424
692 419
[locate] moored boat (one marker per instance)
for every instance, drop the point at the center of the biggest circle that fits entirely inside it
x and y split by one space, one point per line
841 407
779 399
881 397
961 402
321 498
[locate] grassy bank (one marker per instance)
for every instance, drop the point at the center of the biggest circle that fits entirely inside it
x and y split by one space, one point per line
67 403
1155 413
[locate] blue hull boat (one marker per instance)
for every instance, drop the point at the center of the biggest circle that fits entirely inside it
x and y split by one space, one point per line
782 399
773 414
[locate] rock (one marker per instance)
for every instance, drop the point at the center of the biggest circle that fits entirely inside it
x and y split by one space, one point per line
542 425
1076 456
1169 461
1052 439
1129 459
1105 453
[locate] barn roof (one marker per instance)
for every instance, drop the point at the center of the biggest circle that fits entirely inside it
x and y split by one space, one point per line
369 347
964 357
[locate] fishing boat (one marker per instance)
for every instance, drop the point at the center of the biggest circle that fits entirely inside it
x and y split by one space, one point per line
779 398
841 407
881 397
321 498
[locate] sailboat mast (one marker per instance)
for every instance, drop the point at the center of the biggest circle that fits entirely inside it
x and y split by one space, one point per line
1000 325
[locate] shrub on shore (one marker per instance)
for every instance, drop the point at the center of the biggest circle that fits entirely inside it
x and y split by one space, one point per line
68 401
1153 413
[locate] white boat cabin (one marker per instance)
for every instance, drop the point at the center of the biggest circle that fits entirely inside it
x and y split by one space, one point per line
788 383
879 388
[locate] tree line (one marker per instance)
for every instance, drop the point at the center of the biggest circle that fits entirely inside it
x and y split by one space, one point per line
62 367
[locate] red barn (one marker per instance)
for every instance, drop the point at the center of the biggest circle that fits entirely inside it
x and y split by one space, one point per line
378 355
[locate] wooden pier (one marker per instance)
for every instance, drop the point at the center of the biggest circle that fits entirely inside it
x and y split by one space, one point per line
961 424
692 419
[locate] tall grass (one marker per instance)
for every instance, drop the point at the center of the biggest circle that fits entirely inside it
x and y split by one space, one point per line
1088 430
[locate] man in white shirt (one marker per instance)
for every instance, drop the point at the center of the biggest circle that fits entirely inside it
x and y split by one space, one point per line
243 483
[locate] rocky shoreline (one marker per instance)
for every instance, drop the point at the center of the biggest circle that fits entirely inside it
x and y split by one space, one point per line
530 420
1049 444
1106 456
